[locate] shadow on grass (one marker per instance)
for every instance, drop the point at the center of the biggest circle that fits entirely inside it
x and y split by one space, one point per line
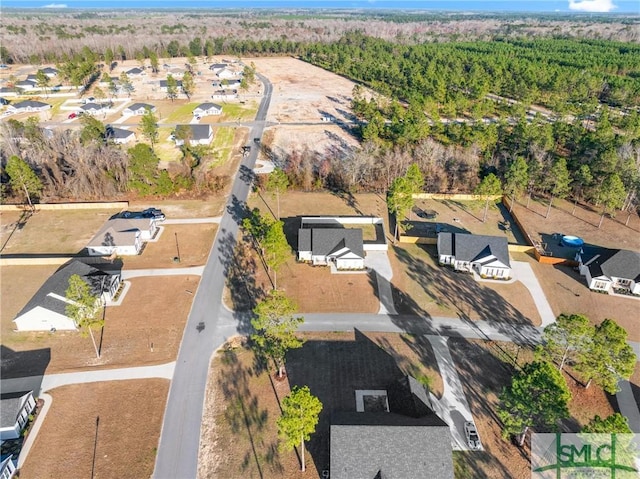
246 418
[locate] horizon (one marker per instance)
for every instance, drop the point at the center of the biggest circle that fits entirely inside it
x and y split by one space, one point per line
577 7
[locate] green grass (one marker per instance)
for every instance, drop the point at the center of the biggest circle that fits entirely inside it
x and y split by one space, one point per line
235 111
181 114
166 149
223 144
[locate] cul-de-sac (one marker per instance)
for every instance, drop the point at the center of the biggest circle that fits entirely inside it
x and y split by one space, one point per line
346 244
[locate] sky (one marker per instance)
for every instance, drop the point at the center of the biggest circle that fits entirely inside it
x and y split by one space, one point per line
562 6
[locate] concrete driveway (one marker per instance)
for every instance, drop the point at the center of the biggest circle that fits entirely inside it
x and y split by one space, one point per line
524 273
452 407
378 261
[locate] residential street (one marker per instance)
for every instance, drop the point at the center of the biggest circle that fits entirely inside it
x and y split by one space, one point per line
180 436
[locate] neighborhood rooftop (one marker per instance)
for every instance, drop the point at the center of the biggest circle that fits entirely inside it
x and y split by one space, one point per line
467 247
618 263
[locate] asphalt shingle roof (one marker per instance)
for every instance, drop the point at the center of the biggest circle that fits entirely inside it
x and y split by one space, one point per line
468 247
207 106
30 103
390 445
325 241
138 106
58 283
621 263
119 231
117 133
10 406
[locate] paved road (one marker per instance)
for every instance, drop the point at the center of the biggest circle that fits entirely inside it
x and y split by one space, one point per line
180 436
136 273
191 221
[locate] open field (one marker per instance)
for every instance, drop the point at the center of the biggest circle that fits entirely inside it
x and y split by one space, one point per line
239 432
118 421
423 287
145 329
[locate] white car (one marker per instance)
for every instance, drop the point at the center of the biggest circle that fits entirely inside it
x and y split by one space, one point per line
470 431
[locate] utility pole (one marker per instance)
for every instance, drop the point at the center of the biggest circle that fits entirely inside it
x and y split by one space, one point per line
177 247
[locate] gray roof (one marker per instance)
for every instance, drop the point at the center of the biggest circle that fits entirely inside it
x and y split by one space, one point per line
134 71
32 77
26 82
200 132
163 83
91 106
207 106
304 239
325 241
59 282
138 106
621 263
390 445
10 406
30 103
117 133
468 247
217 65
49 70
119 231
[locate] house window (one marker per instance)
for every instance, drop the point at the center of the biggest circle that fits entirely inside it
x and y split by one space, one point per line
624 282
600 285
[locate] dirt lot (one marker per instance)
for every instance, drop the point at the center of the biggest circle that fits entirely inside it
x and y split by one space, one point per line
306 93
104 419
50 232
241 407
175 209
145 329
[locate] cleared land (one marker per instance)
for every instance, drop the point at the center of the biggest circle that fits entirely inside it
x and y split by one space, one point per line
239 432
118 420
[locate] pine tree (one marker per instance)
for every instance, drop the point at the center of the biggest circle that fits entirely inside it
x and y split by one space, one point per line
23 179
83 307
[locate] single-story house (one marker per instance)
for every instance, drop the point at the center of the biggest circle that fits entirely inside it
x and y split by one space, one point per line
486 255
608 270
7 468
397 436
92 108
133 72
28 106
207 109
46 310
138 109
26 84
33 78
340 246
230 84
176 72
224 94
14 413
200 135
114 80
163 85
226 74
49 71
122 236
6 91
216 67
119 135
4 101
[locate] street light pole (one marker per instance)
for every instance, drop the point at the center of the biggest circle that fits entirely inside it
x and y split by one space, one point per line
177 247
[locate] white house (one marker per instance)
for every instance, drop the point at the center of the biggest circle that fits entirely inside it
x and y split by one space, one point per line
163 85
138 109
28 106
230 84
92 108
46 310
49 71
122 236
224 95
207 109
217 67
119 136
610 270
200 135
14 414
7 468
26 84
486 255
227 74
323 246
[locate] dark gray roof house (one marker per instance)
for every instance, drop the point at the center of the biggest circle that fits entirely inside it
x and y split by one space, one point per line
409 441
135 71
138 109
218 66
200 135
341 246
91 107
46 310
119 135
487 255
49 71
163 84
14 413
606 268
29 105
